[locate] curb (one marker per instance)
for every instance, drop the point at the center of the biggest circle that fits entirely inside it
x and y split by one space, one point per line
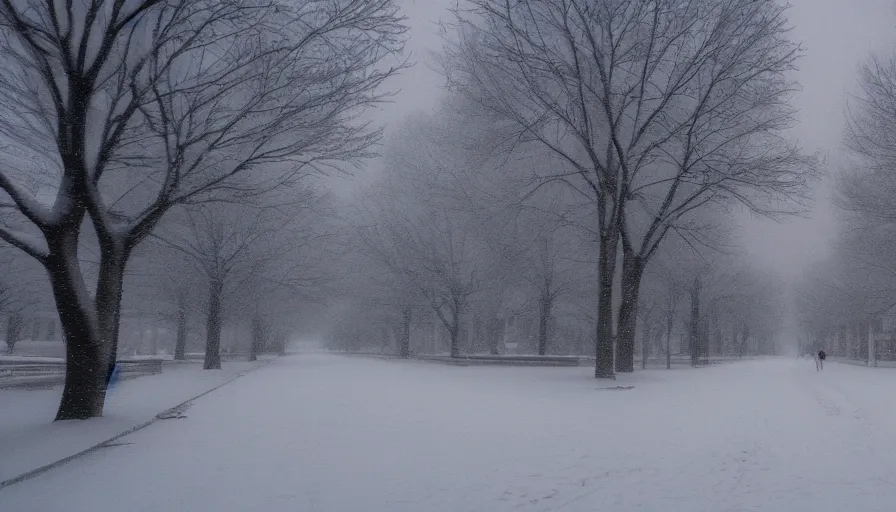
465 360
390 357
369 355
580 361
53 465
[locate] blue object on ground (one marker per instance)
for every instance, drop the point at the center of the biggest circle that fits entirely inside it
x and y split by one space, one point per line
113 379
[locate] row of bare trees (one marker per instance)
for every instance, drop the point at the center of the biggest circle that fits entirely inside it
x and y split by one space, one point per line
653 110
458 226
579 136
135 108
619 121
218 261
725 304
22 290
854 287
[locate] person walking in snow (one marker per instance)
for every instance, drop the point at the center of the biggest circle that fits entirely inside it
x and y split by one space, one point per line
819 360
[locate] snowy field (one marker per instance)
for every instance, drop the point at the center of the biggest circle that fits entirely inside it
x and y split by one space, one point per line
336 434
30 439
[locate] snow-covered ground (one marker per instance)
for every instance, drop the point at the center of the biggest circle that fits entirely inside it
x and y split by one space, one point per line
330 433
30 439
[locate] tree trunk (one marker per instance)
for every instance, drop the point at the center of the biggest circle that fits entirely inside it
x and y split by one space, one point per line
258 337
495 333
108 300
180 341
385 340
735 348
455 346
645 343
284 340
154 339
213 328
404 346
632 270
84 393
14 323
544 317
694 335
453 331
609 239
670 322
716 336
455 327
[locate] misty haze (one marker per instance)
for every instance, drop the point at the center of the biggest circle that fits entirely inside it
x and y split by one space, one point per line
447 255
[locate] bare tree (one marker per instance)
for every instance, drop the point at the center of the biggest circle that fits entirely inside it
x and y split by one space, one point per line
726 143
14 320
854 285
365 289
434 254
512 57
165 283
866 186
533 235
240 251
549 289
671 287
23 289
750 301
728 294
297 277
857 282
419 229
535 249
140 106
868 181
268 306
641 100
647 313
387 289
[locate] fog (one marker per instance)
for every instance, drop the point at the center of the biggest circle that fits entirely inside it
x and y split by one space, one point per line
439 191
836 37
415 255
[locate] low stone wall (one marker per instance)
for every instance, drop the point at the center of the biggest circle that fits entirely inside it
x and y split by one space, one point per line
20 372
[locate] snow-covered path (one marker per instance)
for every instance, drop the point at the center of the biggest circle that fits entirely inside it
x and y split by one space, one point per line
329 433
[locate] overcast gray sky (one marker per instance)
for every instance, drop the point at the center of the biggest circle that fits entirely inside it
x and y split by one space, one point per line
836 35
